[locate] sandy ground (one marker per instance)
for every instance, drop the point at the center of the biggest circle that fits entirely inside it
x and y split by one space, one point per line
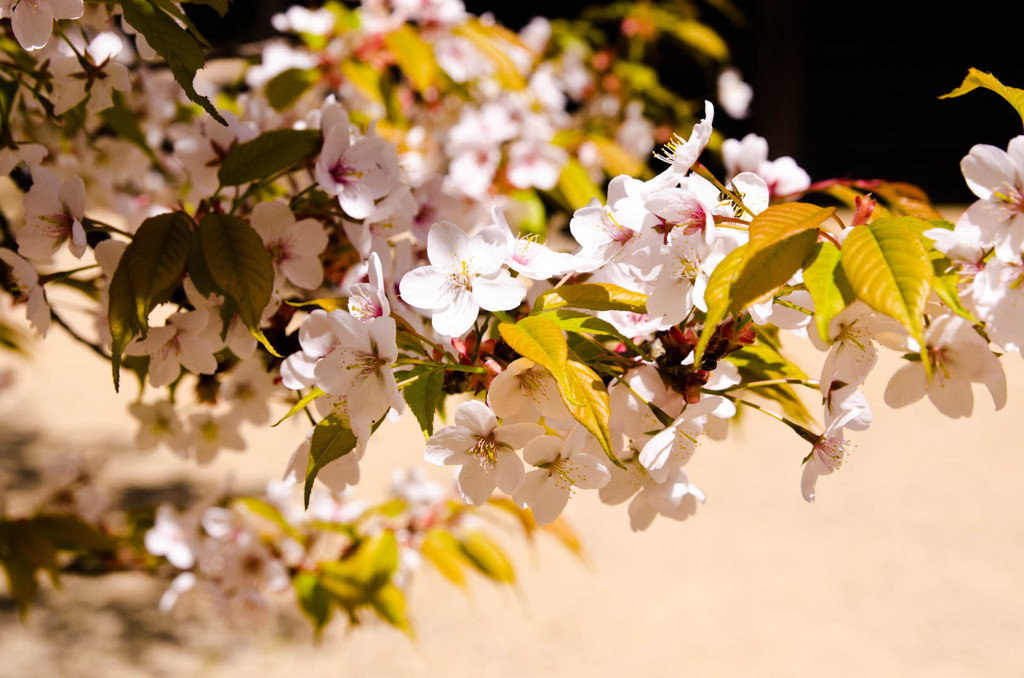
911 562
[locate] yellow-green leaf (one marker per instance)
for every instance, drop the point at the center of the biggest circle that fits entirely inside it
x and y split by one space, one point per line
314 600
445 553
303 403
717 297
576 186
583 393
487 557
780 222
824 279
976 79
285 88
332 439
615 159
488 41
889 269
414 56
593 297
702 38
365 78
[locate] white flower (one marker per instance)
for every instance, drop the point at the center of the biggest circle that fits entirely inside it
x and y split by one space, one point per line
179 343
294 246
465 275
71 84
532 162
674 498
32 20
367 301
484 450
672 447
782 175
561 465
525 255
683 153
525 391
53 215
999 301
357 171
158 422
959 356
358 368
173 537
209 433
25 281
734 94
997 177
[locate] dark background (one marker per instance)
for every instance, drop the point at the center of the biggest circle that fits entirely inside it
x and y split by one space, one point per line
848 89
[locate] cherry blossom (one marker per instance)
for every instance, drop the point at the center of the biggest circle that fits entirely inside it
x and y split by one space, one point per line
53 215
484 451
560 464
26 285
294 246
465 274
997 178
32 20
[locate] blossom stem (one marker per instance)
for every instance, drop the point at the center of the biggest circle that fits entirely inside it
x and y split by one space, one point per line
804 433
95 348
810 383
453 367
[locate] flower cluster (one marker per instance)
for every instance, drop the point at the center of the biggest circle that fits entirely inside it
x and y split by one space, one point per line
373 226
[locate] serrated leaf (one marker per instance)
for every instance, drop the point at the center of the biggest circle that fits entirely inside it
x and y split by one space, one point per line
414 56
539 339
332 439
702 38
976 79
825 281
593 297
487 557
285 88
180 50
766 270
303 403
149 270
268 154
240 266
889 269
314 600
424 395
444 553
577 187
717 297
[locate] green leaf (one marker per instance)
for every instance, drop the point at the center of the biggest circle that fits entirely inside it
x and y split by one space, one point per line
593 297
389 604
240 266
424 395
303 403
69 533
365 78
332 439
702 38
125 123
889 269
576 185
268 154
414 56
487 557
539 339
285 88
946 284
976 79
763 361
581 323
782 238
314 600
180 50
827 284
445 553
718 298
8 91
147 274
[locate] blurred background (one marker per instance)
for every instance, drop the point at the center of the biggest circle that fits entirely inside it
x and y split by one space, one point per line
845 91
